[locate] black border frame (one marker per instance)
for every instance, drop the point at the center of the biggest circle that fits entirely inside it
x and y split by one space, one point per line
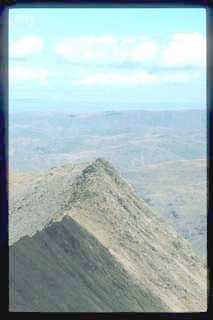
4 249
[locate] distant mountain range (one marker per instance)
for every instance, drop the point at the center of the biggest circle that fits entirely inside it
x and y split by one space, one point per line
82 240
161 153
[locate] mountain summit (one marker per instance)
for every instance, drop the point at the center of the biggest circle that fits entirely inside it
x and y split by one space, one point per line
53 216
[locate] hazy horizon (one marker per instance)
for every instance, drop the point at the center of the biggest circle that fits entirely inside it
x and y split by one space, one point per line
75 112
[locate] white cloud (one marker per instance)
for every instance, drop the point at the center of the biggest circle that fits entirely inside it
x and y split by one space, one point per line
23 74
135 78
185 49
25 47
107 49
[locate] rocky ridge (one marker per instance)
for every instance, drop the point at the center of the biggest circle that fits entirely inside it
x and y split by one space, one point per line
105 205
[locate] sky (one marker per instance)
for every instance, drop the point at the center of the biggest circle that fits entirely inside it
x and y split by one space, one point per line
98 59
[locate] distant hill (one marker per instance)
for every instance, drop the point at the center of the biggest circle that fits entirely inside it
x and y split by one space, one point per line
78 219
177 190
128 139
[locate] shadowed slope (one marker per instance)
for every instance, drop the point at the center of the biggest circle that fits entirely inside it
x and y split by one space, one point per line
64 268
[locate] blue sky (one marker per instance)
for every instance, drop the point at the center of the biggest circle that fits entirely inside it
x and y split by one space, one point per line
89 60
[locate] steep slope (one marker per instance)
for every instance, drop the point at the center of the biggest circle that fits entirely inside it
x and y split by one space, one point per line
107 207
63 268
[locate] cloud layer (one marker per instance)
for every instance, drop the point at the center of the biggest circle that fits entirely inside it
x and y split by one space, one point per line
183 49
109 55
106 49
